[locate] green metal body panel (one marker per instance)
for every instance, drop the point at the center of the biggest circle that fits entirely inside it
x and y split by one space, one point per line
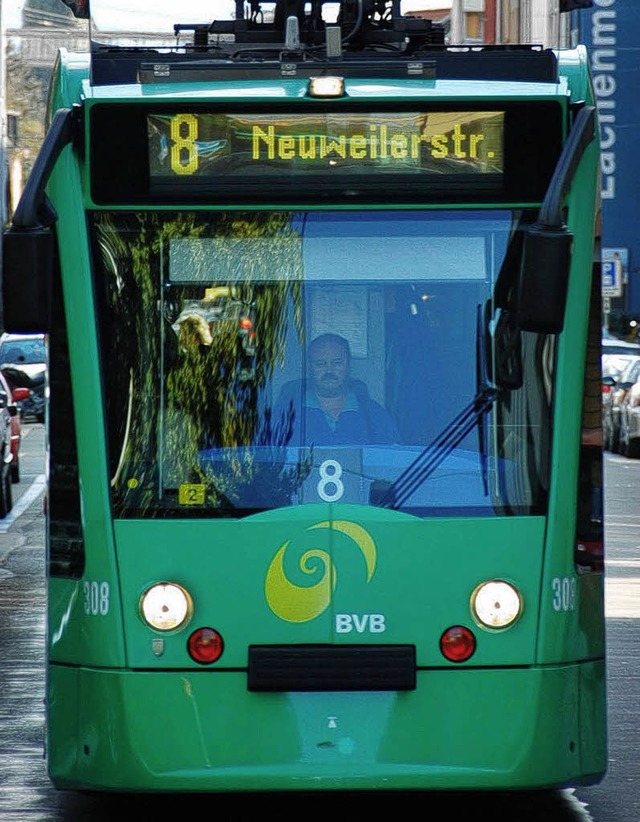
422 577
159 722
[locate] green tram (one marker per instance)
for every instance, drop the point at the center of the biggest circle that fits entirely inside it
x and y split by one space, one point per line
324 505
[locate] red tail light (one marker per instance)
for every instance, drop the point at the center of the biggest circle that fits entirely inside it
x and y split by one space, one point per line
205 646
457 643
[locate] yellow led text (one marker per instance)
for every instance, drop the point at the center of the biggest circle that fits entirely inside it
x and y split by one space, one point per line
379 144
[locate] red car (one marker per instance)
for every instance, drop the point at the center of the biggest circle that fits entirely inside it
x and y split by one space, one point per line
15 396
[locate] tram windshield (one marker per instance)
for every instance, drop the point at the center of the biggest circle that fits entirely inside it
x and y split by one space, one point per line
253 360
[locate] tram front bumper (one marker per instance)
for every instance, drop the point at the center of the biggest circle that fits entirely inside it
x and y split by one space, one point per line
205 731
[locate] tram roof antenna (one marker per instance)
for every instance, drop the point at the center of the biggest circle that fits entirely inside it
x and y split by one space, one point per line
333 42
292 34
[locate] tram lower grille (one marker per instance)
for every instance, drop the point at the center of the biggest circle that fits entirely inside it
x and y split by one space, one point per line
332 668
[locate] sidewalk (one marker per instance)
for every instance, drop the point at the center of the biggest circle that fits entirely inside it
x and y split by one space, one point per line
25 523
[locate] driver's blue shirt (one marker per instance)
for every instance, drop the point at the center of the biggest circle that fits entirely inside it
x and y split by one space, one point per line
362 421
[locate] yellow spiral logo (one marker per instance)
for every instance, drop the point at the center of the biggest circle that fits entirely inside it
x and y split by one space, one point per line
300 603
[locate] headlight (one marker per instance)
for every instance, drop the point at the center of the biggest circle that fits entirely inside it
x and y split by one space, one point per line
166 606
496 604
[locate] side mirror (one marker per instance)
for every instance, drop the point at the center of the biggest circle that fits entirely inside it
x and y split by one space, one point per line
27 275
29 251
541 290
541 293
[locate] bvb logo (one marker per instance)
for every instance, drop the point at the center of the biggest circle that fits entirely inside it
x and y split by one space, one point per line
295 603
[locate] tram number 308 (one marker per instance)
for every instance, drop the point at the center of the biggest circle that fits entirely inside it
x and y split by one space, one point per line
96 595
564 593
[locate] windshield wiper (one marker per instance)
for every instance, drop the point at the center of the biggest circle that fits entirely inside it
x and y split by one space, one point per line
437 451
482 380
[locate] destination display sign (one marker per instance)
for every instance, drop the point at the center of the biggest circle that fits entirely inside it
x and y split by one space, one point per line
496 151
187 144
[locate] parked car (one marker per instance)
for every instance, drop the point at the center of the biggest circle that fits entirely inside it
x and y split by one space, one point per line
17 396
8 410
614 390
616 354
629 439
23 361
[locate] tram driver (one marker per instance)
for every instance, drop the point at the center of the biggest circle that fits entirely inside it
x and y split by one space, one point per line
332 408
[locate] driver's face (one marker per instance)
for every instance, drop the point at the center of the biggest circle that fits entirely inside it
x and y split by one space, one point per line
329 370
